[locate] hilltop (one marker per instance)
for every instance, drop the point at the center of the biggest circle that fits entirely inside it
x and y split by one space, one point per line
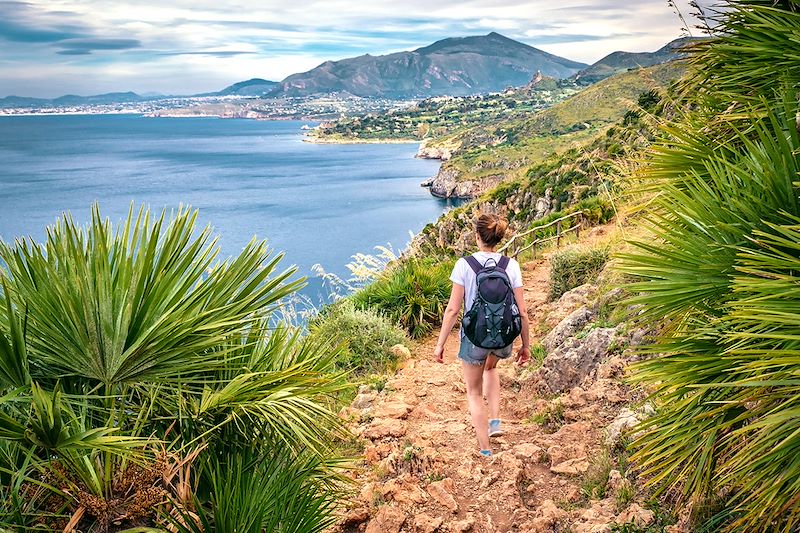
617 62
455 66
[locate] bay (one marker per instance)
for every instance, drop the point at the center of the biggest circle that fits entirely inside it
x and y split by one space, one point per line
317 203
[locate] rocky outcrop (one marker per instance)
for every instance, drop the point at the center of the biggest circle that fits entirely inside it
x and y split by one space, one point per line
446 184
568 327
436 151
388 520
573 360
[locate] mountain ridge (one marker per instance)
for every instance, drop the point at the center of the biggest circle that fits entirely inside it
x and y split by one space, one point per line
455 66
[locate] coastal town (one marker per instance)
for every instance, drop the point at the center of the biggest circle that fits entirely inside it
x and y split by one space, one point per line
315 107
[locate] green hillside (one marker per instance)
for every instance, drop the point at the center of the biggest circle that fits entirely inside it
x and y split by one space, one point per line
440 116
508 146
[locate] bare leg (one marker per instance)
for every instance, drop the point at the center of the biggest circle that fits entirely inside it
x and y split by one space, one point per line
473 377
491 386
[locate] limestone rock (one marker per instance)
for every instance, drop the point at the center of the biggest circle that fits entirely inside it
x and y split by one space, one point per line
433 152
441 491
615 481
449 184
355 517
404 491
571 362
557 454
544 204
395 409
626 419
571 300
388 519
527 451
635 514
462 526
613 368
568 327
400 351
424 523
364 400
548 517
571 467
382 428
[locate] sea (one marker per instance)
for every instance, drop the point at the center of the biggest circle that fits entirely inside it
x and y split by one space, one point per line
319 204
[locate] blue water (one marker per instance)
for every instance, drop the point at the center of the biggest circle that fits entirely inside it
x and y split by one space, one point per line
317 203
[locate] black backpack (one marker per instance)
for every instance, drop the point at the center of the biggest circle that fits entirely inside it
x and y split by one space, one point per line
493 321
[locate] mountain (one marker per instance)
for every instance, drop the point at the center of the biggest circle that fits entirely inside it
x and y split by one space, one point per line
74 100
98 99
617 62
251 87
457 67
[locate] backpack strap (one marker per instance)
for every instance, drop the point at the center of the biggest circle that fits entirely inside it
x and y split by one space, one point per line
473 263
503 263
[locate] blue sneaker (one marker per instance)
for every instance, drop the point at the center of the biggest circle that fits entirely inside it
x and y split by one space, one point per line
494 428
486 453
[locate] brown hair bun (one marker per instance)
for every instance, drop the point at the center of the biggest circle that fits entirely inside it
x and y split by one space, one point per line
491 229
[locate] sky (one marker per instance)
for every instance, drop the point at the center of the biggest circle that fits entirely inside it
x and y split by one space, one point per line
53 47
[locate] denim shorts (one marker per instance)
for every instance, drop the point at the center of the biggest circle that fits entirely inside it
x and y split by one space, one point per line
473 355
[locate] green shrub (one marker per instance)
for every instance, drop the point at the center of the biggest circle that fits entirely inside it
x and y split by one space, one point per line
414 293
366 335
573 267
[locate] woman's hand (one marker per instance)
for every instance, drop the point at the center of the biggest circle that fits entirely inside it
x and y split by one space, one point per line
523 355
438 353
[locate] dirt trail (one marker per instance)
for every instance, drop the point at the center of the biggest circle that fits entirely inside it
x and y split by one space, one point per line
422 472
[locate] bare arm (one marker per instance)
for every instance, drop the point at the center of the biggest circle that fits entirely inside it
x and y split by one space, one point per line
524 353
449 319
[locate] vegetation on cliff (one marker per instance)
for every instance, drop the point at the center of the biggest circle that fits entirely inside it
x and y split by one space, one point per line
509 147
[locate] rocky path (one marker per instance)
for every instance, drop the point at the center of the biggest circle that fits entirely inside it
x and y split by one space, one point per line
421 470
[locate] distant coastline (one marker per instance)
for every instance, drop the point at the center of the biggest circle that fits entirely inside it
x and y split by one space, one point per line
318 140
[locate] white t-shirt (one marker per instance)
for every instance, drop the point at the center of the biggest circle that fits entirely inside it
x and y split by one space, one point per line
465 276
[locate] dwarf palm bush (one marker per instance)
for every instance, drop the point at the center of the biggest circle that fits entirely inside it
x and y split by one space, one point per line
721 266
126 355
414 293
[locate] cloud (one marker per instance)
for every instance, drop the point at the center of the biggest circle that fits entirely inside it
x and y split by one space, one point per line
212 53
20 22
186 46
87 46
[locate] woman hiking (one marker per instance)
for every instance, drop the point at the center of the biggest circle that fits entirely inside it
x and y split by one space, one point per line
480 364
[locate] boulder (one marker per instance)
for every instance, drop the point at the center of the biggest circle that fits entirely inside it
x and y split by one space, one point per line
441 491
527 451
571 467
355 517
393 409
570 363
382 428
404 492
400 351
636 515
568 327
625 420
388 519
424 523
364 400
547 518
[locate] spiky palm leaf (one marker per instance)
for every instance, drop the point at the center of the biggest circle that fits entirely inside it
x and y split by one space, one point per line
721 267
112 342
